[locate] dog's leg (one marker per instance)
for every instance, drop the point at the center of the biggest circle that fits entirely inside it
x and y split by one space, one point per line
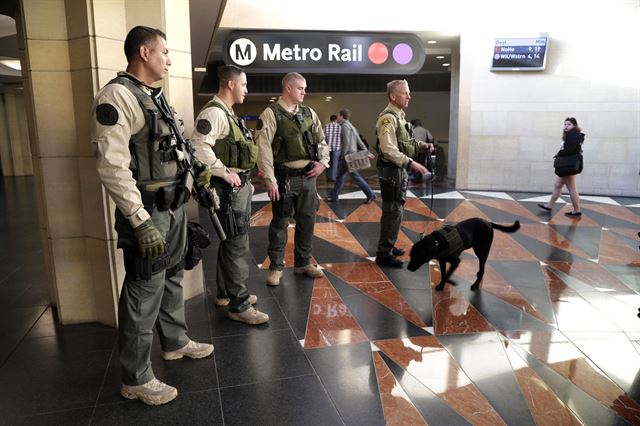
482 251
443 274
455 262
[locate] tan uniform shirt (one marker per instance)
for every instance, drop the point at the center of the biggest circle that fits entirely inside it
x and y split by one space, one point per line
204 144
386 131
264 139
111 147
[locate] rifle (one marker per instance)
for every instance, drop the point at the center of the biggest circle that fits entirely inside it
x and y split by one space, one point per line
204 196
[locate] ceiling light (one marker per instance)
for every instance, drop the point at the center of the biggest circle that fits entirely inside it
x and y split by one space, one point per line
439 57
445 65
431 42
199 69
11 63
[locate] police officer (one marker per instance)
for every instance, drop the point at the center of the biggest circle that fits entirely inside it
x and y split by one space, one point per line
142 168
397 150
224 143
292 152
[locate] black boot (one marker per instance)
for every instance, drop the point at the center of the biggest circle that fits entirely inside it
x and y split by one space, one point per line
388 260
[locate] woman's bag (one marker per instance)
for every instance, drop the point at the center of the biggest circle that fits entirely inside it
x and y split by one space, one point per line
569 165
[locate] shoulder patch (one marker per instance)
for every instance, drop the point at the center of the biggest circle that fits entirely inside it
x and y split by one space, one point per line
203 126
259 124
386 121
106 114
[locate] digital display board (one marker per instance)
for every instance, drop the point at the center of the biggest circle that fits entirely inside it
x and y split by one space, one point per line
520 54
324 52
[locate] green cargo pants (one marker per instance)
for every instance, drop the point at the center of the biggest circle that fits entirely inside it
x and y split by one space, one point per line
393 187
232 270
304 203
157 301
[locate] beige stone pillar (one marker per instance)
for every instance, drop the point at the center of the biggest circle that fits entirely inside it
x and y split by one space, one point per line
14 135
71 48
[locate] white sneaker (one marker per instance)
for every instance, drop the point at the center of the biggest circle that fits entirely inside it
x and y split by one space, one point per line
251 316
309 270
154 392
273 277
191 350
224 301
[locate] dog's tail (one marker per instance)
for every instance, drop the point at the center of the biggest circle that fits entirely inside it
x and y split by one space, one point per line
508 229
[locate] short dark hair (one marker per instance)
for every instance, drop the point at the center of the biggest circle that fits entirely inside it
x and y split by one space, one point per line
228 73
333 117
345 113
139 36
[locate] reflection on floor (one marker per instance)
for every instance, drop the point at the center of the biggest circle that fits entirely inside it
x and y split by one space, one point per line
551 337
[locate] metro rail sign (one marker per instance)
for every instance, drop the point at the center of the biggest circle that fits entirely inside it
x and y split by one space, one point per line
324 52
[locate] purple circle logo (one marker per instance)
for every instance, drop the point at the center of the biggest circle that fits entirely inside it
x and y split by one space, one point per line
402 53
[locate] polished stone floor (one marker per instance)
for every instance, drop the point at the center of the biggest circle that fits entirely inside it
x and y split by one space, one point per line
551 338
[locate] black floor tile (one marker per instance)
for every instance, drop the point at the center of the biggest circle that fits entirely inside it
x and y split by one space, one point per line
19 320
608 221
294 298
295 401
543 251
502 315
377 321
348 374
586 238
367 234
344 207
45 379
79 417
483 359
420 301
433 409
326 252
444 207
259 358
189 408
529 280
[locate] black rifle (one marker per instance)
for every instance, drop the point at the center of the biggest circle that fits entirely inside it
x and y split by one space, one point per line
204 196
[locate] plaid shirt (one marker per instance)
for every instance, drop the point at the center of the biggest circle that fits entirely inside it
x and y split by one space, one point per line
332 135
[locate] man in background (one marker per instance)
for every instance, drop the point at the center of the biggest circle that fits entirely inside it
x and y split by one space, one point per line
332 134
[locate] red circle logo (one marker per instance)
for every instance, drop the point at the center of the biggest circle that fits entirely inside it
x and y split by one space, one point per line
378 53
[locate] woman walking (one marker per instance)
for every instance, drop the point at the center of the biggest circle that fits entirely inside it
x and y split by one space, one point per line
572 139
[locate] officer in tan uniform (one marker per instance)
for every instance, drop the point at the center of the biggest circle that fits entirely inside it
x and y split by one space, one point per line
224 143
142 168
397 150
292 152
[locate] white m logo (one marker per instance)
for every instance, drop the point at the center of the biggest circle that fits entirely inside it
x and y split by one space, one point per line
242 52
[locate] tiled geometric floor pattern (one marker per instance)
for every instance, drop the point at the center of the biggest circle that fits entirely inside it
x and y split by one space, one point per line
550 338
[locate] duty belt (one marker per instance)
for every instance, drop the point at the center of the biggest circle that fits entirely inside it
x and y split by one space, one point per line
289 172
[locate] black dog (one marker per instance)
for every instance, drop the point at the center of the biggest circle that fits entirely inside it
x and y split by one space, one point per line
448 243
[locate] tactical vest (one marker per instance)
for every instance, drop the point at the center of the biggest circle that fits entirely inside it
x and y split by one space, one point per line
448 241
406 143
289 142
152 146
237 149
